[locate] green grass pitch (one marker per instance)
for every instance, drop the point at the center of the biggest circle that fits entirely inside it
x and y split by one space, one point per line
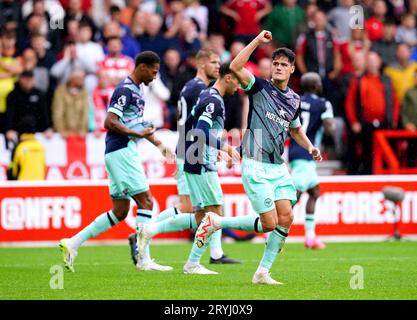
106 272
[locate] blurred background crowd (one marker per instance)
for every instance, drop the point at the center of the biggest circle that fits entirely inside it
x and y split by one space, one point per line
61 59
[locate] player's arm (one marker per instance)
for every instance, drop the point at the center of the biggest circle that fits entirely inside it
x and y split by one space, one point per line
120 100
297 133
238 64
328 125
300 137
204 125
328 119
112 123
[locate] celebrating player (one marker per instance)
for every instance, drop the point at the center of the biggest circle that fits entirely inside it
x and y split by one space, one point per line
200 168
316 113
208 64
274 110
124 122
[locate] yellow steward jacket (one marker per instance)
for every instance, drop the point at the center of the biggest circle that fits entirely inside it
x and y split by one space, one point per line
28 160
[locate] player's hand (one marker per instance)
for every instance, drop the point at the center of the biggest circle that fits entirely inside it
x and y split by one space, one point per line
265 36
315 152
167 153
232 152
224 156
146 132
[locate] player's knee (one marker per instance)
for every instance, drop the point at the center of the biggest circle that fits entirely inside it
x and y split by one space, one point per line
268 226
315 193
146 202
121 214
149 202
286 217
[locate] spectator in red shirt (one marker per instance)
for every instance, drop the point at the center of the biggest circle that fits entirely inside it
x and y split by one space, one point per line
358 43
101 99
247 15
116 65
374 26
370 104
83 5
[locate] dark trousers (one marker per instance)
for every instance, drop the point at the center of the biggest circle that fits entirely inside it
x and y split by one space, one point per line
412 153
360 150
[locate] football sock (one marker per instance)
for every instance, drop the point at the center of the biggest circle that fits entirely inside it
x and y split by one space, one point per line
274 244
246 223
216 251
170 212
178 222
102 223
144 216
310 226
196 252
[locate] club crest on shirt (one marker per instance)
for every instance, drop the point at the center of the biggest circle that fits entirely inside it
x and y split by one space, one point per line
121 102
210 108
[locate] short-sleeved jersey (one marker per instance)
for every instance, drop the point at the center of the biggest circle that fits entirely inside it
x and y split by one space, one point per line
271 113
188 99
313 111
128 104
209 108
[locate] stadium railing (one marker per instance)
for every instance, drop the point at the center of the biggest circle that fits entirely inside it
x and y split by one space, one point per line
386 160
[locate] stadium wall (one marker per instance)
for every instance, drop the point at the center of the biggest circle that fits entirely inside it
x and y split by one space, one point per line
349 208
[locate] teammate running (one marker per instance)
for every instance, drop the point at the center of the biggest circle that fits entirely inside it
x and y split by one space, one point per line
273 112
316 114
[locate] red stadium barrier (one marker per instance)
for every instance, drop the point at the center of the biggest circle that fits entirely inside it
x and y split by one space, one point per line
383 153
348 206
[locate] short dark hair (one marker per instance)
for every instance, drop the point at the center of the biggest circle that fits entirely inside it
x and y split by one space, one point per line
285 52
85 24
27 74
310 82
225 69
107 40
114 9
147 57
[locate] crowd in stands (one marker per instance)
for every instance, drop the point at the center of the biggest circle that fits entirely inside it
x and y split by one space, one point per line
61 59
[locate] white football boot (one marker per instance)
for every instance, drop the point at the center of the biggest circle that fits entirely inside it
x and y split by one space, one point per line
197 268
209 225
68 254
264 278
143 238
151 265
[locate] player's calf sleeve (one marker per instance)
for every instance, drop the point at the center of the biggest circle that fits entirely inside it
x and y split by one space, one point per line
248 223
178 222
168 213
101 224
216 251
144 216
274 244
